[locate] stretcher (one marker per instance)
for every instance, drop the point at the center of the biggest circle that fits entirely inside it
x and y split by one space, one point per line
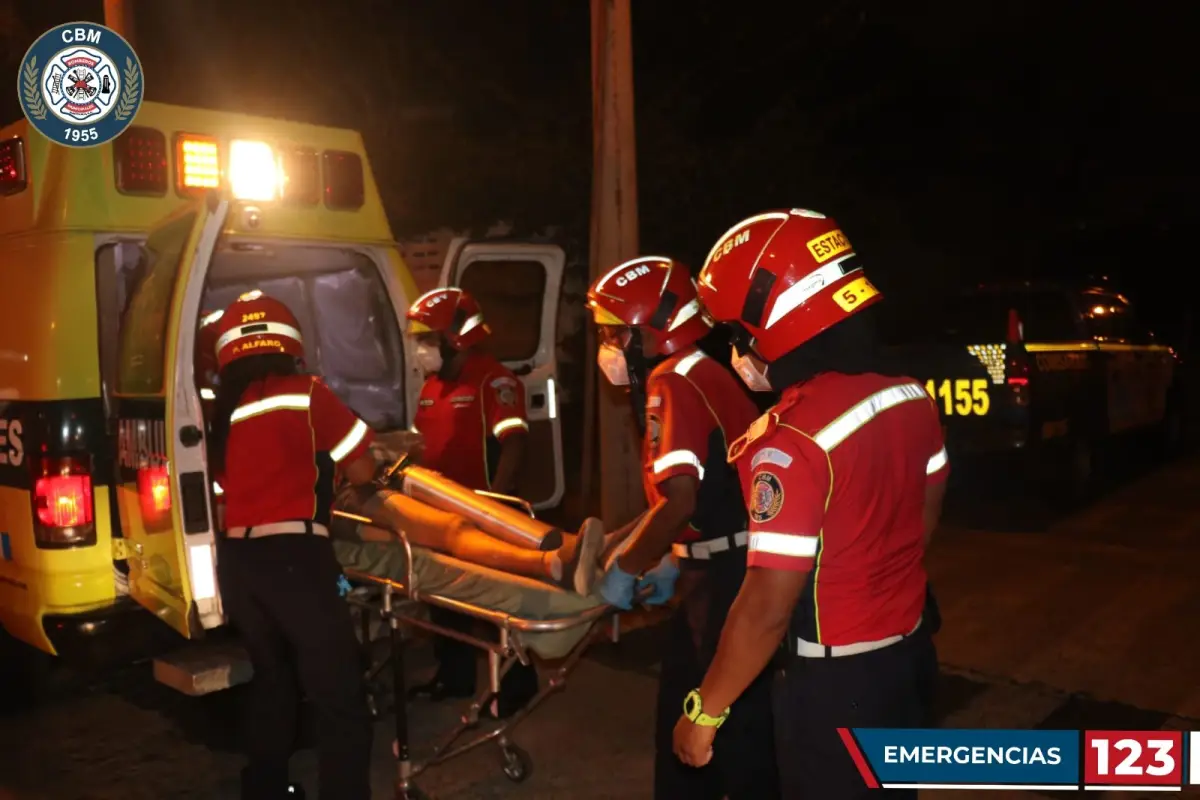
394 580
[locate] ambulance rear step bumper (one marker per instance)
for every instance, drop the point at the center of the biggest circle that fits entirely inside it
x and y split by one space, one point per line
200 669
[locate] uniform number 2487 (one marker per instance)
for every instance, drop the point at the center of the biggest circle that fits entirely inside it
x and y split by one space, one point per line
962 396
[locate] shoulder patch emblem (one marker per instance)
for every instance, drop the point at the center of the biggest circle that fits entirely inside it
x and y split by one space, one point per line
506 395
766 497
504 380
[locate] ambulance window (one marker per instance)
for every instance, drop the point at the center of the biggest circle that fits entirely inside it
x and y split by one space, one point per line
146 316
1050 318
351 337
510 294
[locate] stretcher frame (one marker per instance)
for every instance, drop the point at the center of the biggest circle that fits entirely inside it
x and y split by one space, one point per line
384 600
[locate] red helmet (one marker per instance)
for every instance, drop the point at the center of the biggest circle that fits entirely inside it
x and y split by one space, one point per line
450 312
784 276
206 348
655 294
255 325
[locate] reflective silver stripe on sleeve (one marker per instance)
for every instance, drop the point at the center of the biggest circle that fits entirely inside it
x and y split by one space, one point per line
936 461
840 429
508 424
291 402
350 441
783 544
687 362
678 458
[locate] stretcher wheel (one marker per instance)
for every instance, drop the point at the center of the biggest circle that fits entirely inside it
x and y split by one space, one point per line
517 764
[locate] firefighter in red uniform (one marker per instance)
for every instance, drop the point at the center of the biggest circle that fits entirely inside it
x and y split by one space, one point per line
695 530
844 480
277 438
471 417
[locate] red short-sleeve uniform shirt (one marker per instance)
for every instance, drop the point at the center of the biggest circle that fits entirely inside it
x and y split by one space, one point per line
286 438
835 479
463 421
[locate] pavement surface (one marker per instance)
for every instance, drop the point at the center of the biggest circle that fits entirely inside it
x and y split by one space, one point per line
1050 621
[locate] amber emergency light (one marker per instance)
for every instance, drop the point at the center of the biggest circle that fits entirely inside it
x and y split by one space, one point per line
197 166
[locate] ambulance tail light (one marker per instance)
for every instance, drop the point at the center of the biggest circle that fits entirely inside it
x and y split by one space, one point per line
62 502
1016 364
13 175
197 164
254 172
140 161
301 177
154 491
344 188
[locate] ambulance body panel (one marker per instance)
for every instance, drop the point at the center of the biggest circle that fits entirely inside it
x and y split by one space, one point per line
109 257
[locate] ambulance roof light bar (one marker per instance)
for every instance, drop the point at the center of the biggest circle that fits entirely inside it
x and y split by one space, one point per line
197 164
255 172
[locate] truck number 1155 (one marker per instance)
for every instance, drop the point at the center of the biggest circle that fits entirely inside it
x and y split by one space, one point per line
961 396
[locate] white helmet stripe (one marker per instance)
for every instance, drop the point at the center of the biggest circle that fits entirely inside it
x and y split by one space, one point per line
795 295
258 329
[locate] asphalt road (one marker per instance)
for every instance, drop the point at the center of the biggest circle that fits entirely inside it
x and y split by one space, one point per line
1083 620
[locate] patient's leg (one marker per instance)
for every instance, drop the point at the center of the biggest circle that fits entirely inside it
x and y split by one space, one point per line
449 533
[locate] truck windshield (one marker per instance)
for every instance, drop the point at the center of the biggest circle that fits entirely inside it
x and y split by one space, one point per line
351 335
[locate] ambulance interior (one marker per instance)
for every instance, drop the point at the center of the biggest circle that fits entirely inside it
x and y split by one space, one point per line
352 337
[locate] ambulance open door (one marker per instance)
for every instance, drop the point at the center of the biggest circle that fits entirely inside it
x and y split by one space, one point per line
517 286
163 485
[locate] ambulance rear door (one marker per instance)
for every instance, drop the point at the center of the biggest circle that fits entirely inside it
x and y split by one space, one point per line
163 490
517 286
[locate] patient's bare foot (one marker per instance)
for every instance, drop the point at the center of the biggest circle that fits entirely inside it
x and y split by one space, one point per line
579 558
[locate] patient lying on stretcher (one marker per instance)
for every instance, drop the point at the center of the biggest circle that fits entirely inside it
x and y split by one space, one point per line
575 566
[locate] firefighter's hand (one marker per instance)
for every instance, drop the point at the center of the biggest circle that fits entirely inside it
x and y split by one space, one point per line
693 743
659 580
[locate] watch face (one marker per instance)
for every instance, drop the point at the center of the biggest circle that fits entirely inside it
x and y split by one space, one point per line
691 705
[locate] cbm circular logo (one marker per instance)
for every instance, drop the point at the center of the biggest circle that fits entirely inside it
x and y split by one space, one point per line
80 84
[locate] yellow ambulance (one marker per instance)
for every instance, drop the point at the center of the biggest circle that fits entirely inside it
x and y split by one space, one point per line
109 256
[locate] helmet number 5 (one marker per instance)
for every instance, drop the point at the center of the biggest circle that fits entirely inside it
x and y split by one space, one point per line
855 293
962 397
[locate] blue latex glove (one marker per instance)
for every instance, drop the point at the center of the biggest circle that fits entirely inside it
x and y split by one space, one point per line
616 587
343 585
661 580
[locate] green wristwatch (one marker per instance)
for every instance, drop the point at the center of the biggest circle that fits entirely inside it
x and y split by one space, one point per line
692 709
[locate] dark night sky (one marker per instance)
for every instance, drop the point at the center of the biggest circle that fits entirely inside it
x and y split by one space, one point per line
951 139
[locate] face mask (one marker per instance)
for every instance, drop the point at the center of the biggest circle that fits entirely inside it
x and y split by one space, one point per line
611 361
747 369
429 359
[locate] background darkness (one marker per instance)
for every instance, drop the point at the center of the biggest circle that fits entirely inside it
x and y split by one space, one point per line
954 141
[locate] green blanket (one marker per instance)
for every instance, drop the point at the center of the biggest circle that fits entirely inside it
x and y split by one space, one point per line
437 573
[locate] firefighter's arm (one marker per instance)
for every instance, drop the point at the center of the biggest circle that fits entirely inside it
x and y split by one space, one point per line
504 414
339 432
787 491
659 527
677 430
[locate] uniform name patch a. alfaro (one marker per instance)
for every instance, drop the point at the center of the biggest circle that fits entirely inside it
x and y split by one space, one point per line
426 402
828 245
766 497
462 400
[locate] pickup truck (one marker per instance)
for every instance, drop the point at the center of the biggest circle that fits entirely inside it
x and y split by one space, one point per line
1050 373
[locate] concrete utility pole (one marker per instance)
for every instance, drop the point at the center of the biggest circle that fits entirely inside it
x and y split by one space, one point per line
614 238
118 15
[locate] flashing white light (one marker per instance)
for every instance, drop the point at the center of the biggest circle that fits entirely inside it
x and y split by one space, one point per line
254 171
552 398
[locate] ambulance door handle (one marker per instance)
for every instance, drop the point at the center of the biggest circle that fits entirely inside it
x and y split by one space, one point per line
537 400
190 436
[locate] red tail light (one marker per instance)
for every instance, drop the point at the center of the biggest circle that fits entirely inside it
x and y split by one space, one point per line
1016 331
1016 361
154 491
62 502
